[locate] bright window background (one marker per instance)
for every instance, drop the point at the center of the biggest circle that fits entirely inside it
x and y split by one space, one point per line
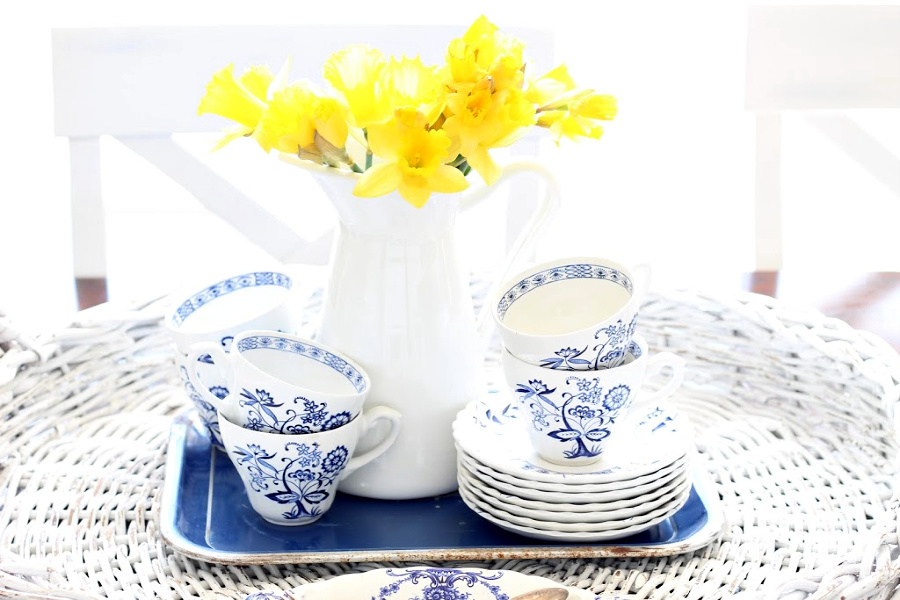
670 184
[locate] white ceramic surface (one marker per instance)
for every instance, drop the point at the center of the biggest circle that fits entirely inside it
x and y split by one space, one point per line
566 503
572 313
215 313
541 530
427 583
492 431
601 514
283 383
292 479
574 416
574 492
399 302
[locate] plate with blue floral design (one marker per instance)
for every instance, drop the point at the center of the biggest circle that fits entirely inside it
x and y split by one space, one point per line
493 432
428 583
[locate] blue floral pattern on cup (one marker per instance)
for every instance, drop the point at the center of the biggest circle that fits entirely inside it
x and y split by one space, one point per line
613 347
580 417
308 418
302 480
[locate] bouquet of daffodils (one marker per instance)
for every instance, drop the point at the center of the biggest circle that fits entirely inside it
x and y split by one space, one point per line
404 125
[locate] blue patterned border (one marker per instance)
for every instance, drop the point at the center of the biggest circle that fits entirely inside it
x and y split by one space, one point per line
356 379
561 273
239 282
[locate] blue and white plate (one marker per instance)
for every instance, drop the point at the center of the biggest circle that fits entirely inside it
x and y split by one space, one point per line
424 583
492 432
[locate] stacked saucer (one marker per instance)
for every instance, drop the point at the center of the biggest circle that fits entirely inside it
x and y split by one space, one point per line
642 479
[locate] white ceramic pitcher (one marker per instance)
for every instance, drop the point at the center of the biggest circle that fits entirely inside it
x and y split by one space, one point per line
399 304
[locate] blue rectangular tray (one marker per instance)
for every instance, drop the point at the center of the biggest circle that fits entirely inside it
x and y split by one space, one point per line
205 514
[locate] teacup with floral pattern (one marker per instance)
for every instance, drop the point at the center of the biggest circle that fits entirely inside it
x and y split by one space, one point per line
283 383
573 415
571 314
292 479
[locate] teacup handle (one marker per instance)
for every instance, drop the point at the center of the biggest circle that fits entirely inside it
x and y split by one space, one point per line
655 365
369 419
220 359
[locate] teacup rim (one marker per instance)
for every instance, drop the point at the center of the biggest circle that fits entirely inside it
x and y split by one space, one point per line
181 296
308 342
510 282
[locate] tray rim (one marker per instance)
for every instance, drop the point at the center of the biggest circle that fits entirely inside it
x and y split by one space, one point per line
174 469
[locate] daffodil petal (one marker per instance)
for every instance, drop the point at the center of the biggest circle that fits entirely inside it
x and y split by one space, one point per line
378 181
231 135
415 191
481 161
447 180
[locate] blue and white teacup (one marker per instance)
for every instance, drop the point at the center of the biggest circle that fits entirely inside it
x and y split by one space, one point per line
571 314
573 415
292 479
214 314
284 383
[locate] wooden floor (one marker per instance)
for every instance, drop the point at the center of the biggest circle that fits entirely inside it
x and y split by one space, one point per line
869 301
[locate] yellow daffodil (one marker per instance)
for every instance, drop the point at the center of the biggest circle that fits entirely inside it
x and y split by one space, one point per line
566 110
577 119
414 162
412 84
479 120
242 100
303 121
357 72
485 52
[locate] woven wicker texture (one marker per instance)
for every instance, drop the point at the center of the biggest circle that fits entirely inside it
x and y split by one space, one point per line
794 416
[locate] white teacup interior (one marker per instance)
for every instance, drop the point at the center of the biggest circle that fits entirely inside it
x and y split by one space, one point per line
233 300
301 364
565 299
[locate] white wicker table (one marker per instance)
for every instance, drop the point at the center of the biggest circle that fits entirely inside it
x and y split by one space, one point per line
795 421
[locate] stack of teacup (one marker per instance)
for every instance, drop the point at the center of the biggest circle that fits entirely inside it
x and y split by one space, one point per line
287 410
582 449
571 353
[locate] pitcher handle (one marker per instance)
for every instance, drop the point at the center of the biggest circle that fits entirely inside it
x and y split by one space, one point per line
548 204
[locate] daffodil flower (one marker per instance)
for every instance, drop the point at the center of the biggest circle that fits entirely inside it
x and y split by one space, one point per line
357 72
578 118
485 52
413 85
414 163
479 119
304 121
566 110
242 100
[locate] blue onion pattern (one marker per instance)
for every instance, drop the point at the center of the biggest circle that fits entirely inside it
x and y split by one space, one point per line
309 417
302 482
439 584
580 418
613 347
